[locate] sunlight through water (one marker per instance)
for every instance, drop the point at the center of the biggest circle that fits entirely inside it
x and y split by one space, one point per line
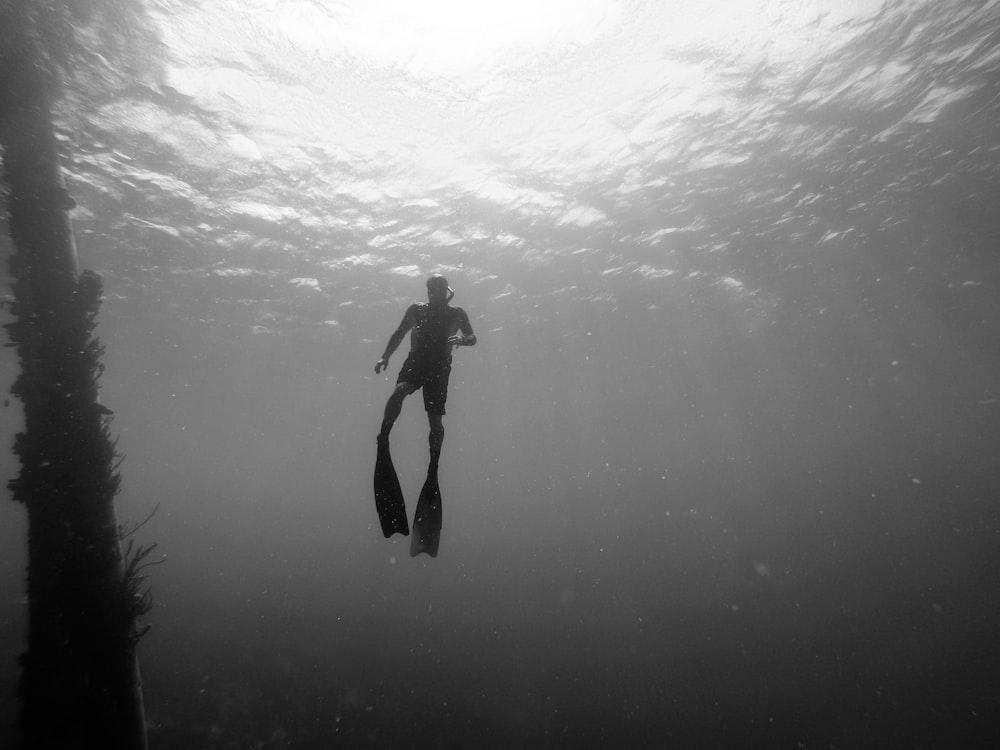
465 43
464 92
636 140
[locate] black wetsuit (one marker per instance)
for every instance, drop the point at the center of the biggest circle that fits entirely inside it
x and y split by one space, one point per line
428 364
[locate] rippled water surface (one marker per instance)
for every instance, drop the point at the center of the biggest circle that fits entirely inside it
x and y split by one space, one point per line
721 471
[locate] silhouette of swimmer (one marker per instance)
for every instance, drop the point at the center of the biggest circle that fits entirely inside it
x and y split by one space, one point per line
436 329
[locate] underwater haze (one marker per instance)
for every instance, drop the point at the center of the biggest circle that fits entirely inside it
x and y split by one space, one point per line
722 470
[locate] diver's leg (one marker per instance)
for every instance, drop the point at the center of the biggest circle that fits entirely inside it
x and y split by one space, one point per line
436 438
393 407
435 396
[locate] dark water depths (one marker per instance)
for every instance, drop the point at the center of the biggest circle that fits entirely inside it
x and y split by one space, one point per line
722 470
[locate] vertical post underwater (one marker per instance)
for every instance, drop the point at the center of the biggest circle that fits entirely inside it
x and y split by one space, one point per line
80 683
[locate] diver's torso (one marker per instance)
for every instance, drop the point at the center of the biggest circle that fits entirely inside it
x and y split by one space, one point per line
433 325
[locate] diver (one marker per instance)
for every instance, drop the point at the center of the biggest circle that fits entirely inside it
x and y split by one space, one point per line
436 329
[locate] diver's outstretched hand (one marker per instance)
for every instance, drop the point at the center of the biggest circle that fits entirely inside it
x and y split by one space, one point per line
381 365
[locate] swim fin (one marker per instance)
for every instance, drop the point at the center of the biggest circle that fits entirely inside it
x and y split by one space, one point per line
388 495
427 520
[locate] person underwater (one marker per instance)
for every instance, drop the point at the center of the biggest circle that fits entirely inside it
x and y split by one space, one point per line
436 329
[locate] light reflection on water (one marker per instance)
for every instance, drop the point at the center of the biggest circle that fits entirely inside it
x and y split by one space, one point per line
666 138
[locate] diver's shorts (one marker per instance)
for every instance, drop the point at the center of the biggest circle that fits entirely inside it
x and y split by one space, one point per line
432 377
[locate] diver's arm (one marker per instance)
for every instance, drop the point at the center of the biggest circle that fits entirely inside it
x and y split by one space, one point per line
395 340
468 337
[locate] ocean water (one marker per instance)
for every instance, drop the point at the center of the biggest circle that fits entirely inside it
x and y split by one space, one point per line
722 469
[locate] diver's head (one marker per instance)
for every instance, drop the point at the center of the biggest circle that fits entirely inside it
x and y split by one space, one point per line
438 291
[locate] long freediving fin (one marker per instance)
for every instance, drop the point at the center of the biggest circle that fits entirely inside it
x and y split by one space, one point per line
427 520
388 495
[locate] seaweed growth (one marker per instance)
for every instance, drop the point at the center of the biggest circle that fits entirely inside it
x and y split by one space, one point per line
135 556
